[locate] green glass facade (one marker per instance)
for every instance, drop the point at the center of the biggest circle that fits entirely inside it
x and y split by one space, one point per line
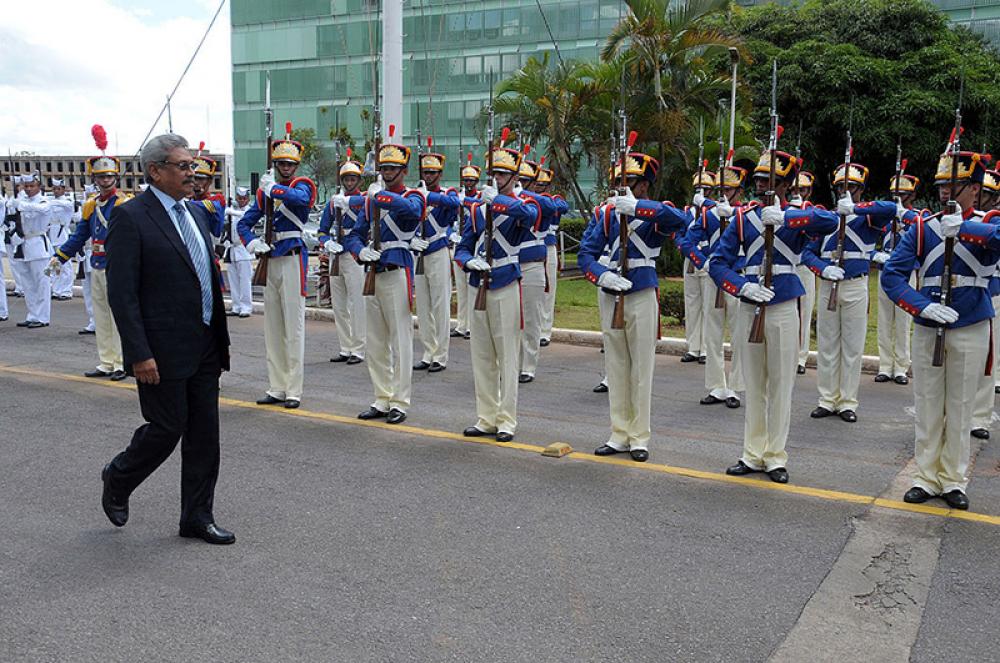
320 55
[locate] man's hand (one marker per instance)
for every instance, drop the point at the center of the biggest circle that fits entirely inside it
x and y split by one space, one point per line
845 206
55 266
368 254
267 183
796 201
375 187
625 203
900 211
880 257
455 237
422 188
518 188
488 194
611 281
773 215
340 201
146 372
477 264
833 273
951 224
258 247
699 198
940 313
755 292
723 209
419 244
332 247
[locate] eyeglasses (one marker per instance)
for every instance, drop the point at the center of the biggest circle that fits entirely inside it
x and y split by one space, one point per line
182 166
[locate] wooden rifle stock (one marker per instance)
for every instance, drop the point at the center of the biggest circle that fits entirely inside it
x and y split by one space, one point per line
831 305
618 316
375 220
720 295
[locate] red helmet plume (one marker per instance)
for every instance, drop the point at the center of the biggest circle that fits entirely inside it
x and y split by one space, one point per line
100 137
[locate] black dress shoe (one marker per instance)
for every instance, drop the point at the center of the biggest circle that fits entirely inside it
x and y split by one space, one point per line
467 335
901 379
473 431
455 333
3 318
702 359
882 377
524 378
732 402
800 370
339 359
710 400
354 360
601 388
639 455
395 416
821 413
268 399
980 433
544 342
436 367
996 389
118 376
24 323
84 332
34 324
97 373
209 533
778 475
848 415
606 450
116 510
292 403
956 499
740 469
422 366
688 357
916 495
373 413
231 314
504 436
244 315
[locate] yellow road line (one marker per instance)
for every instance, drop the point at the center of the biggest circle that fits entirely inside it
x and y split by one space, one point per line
819 493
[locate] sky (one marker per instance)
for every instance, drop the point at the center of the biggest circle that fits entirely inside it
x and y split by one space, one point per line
76 63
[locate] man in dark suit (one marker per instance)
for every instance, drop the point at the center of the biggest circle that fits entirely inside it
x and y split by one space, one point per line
163 286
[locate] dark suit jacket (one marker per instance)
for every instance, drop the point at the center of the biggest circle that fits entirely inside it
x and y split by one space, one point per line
154 292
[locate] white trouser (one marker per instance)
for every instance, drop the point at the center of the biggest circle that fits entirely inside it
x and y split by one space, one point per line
389 341
693 308
88 299
349 305
806 304
996 344
944 400
62 282
840 344
893 336
37 289
462 297
552 279
109 344
17 271
982 411
629 358
240 288
769 371
433 295
496 341
285 326
533 307
4 312
716 381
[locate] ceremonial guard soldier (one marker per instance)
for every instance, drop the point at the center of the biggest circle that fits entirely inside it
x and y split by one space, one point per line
60 220
842 260
348 277
380 239
95 218
770 358
287 263
239 261
541 186
433 274
693 306
32 252
801 195
490 256
630 314
469 176
893 323
982 414
205 169
951 338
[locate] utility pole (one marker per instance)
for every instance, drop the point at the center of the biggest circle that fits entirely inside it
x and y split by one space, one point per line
392 66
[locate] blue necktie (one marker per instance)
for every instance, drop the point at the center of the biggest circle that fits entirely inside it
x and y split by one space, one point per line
189 235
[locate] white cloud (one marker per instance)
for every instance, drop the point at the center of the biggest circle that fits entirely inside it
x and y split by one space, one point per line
86 63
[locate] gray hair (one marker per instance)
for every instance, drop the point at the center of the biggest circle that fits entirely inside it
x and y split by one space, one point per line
156 149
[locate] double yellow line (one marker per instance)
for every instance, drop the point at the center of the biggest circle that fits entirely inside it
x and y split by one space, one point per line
819 493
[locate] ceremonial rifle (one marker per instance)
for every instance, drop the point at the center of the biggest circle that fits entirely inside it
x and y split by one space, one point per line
838 254
375 219
949 242
701 174
720 298
734 61
260 273
484 279
419 269
767 267
618 316
338 214
900 169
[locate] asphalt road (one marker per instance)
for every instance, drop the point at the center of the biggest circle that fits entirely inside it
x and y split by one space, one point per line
366 543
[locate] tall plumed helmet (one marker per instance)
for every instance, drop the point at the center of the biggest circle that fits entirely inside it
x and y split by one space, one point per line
393 154
102 165
287 149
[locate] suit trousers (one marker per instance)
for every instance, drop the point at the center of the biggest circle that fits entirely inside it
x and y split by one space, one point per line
185 410
349 305
944 401
37 289
806 303
840 339
533 306
717 382
62 282
285 327
389 341
17 271
893 336
769 371
629 358
88 298
982 413
240 289
4 312
461 297
433 294
693 309
496 342
109 345
552 273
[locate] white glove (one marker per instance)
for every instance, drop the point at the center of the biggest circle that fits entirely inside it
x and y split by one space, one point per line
477 264
773 215
422 188
455 237
368 254
55 266
900 211
699 198
755 292
833 273
796 201
227 244
340 201
461 197
625 203
880 257
419 244
604 260
267 183
940 313
611 281
333 247
258 247
845 206
951 224
518 188
375 187
724 210
488 194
